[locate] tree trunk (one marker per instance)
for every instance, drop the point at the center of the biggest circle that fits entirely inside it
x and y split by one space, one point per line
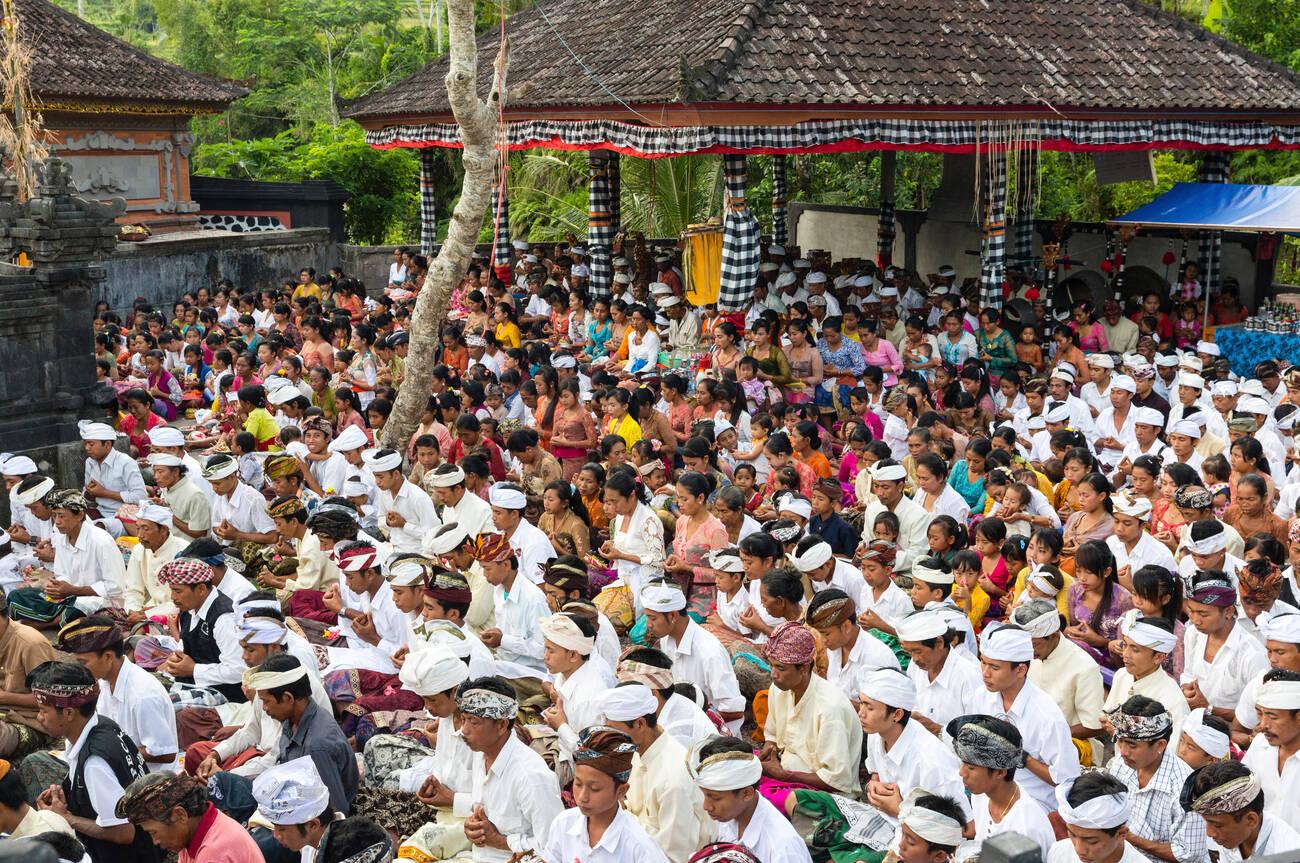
478 131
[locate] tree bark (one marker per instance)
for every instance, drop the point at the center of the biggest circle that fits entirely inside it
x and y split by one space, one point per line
478 132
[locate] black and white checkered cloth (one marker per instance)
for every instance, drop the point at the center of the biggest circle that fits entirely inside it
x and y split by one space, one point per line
780 235
885 234
1026 197
740 240
428 206
501 250
600 222
848 135
993 248
1214 169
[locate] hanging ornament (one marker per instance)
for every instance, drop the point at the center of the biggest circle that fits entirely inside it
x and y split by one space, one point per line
1168 258
1107 267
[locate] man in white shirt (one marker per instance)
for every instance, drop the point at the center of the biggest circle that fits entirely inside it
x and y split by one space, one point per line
576 685
945 677
1096 393
1051 759
1219 656
532 547
990 753
1059 387
1064 671
662 796
158 544
1115 421
1132 546
238 510
112 477
728 775
888 478
1229 796
514 796
1145 440
698 657
170 440
88 568
128 695
325 470
1274 755
642 343
850 651
1282 642
405 510
468 510
676 715
1096 808
374 627
683 332
519 606
293 799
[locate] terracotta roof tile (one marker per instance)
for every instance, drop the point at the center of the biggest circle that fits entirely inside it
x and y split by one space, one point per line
73 61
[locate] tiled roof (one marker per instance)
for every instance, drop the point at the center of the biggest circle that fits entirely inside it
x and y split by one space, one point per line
1081 56
75 63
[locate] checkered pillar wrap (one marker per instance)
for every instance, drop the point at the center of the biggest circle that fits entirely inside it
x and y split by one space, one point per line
885 234
600 222
1214 169
615 192
780 235
428 205
993 248
1026 195
740 240
502 251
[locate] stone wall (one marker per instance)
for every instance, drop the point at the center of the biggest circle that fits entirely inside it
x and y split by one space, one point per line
164 267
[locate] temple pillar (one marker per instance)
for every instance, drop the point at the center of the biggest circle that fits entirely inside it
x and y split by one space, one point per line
885 230
993 247
740 239
428 205
780 232
600 221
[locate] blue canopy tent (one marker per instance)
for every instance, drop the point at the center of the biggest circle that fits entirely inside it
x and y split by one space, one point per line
1228 207
1221 207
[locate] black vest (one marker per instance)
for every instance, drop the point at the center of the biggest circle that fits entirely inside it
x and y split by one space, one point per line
123 758
201 644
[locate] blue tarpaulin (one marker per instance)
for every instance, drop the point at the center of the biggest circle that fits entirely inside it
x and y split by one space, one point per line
1221 207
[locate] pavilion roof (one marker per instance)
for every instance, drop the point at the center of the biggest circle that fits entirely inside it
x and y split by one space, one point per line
776 62
78 67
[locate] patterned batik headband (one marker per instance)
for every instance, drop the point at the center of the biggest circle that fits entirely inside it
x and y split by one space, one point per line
1130 727
487 704
1232 796
975 744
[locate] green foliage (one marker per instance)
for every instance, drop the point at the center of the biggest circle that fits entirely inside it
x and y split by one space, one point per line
383 203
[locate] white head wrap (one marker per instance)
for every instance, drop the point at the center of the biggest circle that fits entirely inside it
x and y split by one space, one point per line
1212 544
726 771
776 250
934 827
507 497
1063 375
1253 387
18 465
1283 627
377 462
1105 812
1044 624
721 425
662 597
726 560
1212 741
432 670
560 630
1279 695
768 267
798 505
816 279
1007 644
1207 348
931 576
1132 506
447 479
1123 382
349 439
1224 388
159 515
291 793
889 473
629 702
785 280
921 626
263 680
1150 637
283 394
443 540
946 272
441 633
669 301
1187 379
1253 405
354 487
1186 427
1149 416
1058 414
1191 361
167 436
96 431
660 289
221 469
164 459
262 630
889 686
802 264
1101 361
814 557
563 361
1166 360
406 573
